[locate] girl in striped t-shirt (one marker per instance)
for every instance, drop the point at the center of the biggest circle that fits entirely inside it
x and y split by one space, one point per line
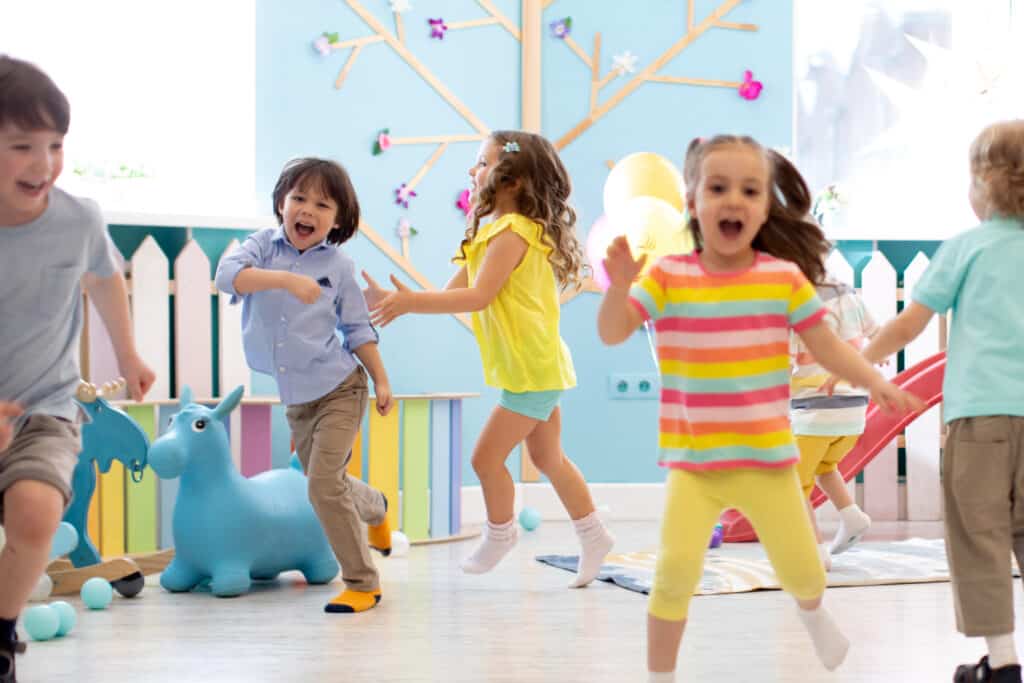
723 316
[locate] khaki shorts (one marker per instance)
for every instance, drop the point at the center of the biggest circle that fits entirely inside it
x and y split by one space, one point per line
45 449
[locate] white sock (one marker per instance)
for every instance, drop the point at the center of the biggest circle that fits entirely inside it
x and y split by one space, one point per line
829 642
853 522
595 542
661 677
826 557
498 540
1001 650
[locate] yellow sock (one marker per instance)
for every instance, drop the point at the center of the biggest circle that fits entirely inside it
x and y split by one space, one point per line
349 601
379 537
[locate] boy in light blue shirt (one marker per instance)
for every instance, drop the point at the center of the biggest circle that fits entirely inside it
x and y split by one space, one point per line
298 289
978 275
50 241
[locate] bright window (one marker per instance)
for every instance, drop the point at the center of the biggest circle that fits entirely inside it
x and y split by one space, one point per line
889 95
162 98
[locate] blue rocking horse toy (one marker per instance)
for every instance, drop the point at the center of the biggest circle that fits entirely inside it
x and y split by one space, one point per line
110 434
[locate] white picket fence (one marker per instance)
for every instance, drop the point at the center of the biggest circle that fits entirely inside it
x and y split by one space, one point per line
880 494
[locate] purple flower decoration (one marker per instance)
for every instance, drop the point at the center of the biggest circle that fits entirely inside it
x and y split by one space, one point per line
323 43
463 202
437 28
403 194
750 89
561 28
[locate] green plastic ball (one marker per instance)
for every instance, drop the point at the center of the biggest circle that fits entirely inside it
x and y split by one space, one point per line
529 519
97 593
67 617
41 622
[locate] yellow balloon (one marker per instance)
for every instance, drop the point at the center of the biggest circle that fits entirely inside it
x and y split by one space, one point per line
643 174
653 227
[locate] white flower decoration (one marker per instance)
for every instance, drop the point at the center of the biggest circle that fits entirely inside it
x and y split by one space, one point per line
625 63
400 6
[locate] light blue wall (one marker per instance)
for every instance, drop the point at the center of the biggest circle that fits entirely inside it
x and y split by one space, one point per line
299 112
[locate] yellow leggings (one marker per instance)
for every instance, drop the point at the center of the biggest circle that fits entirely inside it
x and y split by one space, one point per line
770 499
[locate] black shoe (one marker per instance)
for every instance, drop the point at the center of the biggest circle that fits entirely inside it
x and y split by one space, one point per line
7 653
983 673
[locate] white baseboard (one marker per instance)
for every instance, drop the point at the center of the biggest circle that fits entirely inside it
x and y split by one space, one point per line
640 502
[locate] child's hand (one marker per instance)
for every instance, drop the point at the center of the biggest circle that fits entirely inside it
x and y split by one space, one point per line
384 400
829 387
892 399
8 411
373 293
622 268
138 377
396 303
303 288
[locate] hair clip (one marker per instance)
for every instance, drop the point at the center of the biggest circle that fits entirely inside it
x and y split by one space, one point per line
511 146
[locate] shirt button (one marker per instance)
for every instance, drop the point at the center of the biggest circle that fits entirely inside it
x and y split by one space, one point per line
284 319
281 369
280 344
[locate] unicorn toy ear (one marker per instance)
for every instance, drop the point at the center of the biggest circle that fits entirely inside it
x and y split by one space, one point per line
186 397
229 403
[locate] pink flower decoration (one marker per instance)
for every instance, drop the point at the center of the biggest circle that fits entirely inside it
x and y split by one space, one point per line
750 89
322 45
403 194
437 28
383 141
463 202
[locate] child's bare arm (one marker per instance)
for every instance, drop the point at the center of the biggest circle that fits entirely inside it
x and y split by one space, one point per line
8 411
898 332
110 296
458 281
618 318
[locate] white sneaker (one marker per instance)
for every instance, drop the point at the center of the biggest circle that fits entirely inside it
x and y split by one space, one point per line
853 524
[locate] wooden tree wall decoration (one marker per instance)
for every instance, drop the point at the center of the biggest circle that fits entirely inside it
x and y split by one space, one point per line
694 30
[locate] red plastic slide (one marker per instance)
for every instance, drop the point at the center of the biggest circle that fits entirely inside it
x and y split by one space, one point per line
923 380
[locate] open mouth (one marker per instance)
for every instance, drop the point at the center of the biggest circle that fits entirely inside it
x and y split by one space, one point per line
32 189
730 229
304 229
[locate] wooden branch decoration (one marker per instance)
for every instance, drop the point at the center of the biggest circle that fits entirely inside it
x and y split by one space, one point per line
399 28
649 73
588 285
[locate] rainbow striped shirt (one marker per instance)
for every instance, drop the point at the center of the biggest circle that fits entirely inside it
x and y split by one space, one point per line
723 351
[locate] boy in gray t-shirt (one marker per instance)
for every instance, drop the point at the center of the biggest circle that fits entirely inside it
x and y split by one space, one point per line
50 243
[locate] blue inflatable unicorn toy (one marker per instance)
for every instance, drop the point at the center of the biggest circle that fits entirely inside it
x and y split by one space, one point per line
230 530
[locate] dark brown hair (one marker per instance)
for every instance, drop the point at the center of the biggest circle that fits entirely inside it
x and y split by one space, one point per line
997 167
29 99
329 178
543 196
789 233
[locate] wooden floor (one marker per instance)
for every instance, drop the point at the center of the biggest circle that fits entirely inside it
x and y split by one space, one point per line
519 623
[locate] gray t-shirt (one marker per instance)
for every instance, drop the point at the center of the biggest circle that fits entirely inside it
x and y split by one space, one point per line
41 266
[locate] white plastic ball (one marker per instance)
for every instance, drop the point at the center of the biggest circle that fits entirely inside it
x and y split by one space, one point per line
399 544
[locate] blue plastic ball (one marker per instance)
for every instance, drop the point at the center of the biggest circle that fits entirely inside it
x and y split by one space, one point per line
41 622
529 519
67 617
64 540
97 593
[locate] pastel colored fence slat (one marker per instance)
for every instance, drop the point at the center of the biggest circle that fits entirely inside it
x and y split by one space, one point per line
383 459
256 439
416 469
881 475
112 511
193 335
924 435
151 316
455 453
95 516
234 370
167 489
141 498
440 467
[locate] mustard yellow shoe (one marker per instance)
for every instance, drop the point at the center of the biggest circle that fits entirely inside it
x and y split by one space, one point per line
349 601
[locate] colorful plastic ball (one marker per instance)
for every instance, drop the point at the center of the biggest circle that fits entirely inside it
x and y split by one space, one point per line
41 622
67 617
399 544
529 519
44 586
97 593
716 536
64 540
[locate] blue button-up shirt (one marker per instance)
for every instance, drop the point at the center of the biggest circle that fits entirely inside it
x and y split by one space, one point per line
294 342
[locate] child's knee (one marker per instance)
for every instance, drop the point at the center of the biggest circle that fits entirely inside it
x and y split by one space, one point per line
32 511
806 582
668 602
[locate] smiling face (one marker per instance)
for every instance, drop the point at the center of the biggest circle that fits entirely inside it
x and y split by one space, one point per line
731 204
487 159
308 215
30 162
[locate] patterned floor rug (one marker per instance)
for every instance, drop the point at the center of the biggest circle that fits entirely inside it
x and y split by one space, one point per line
743 567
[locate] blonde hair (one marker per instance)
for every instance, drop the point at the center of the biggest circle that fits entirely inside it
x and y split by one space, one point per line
997 167
543 196
789 233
